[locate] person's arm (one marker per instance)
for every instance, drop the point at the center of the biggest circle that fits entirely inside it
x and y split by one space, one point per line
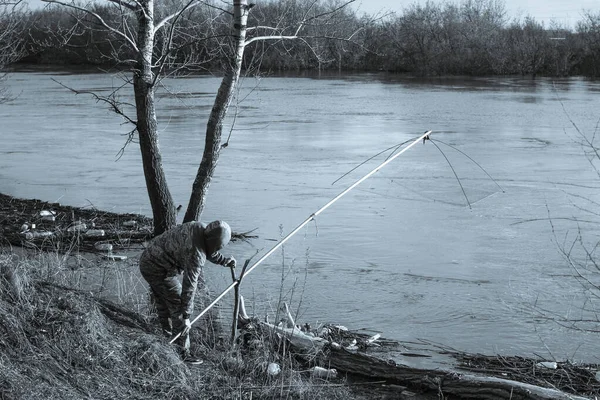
220 259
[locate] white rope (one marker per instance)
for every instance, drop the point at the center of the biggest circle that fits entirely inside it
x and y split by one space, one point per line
303 224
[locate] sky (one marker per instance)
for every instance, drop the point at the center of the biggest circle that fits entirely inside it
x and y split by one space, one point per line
566 12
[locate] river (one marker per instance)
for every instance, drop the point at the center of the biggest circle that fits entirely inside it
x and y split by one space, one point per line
403 253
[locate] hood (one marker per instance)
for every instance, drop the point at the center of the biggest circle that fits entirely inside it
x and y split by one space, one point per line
216 235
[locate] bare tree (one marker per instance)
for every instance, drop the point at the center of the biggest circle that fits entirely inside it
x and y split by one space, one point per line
417 33
10 39
482 23
313 15
133 28
564 50
437 38
530 45
148 38
589 31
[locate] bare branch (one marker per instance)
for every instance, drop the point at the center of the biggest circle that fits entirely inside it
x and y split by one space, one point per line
273 37
11 40
10 3
279 34
110 100
326 13
191 4
99 19
130 139
126 4
253 28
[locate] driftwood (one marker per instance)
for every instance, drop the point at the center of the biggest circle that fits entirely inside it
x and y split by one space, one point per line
303 343
468 386
52 226
55 227
332 347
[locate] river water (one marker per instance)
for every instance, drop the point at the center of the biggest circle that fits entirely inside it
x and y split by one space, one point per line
403 253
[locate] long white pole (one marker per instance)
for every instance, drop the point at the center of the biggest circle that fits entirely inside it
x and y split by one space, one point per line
303 224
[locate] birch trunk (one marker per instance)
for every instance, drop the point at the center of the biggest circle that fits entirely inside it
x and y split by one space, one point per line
214 128
163 209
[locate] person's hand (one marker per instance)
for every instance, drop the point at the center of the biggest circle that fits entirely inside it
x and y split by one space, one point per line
230 262
187 325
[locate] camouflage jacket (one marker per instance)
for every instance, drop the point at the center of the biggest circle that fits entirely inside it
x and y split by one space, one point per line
180 250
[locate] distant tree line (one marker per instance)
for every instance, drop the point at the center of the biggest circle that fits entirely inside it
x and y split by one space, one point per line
473 37
476 38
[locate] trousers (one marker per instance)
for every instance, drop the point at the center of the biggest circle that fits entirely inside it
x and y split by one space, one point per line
165 293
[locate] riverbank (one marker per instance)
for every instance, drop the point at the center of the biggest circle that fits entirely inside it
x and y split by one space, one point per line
52 226
73 342
62 343
78 343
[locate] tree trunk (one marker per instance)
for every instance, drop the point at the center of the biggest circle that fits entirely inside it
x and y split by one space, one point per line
163 209
212 145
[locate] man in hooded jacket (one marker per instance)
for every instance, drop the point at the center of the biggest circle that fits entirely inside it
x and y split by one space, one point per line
182 250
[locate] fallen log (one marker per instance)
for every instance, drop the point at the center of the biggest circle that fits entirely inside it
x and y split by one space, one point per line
467 386
351 359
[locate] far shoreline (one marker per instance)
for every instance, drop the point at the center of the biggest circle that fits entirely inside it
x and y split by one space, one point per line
76 69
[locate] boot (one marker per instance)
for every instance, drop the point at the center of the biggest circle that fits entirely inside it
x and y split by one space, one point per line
188 358
167 326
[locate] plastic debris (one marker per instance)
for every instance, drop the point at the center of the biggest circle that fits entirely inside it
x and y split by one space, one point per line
95 233
103 247
371 341
273 369
77 228
547 364
352 345
114 257
321 372
24 228
37 234
46 213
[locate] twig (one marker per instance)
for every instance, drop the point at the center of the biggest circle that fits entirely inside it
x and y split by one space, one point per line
114 104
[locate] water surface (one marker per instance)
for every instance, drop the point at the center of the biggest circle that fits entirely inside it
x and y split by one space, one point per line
403 253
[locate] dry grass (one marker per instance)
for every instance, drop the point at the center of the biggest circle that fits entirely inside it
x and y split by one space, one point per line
57 342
